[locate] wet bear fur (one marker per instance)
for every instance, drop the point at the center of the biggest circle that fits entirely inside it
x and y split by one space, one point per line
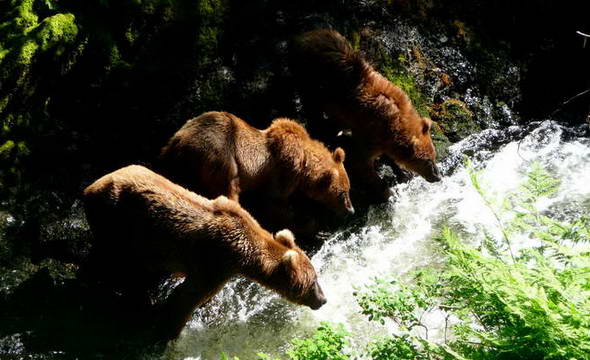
145 225
218 153
337 81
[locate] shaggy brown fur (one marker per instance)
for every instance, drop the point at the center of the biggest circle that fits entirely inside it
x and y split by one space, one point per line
336 80
218 153
142 220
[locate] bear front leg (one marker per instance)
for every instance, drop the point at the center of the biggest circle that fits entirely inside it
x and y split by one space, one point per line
178 308
366 185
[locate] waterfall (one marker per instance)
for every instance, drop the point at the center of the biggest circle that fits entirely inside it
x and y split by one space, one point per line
397 237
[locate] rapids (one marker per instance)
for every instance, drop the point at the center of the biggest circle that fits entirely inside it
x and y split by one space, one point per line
245 319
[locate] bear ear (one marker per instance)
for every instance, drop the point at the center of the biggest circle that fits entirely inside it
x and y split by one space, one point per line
426 125
286 238
290 256
222 201
339 155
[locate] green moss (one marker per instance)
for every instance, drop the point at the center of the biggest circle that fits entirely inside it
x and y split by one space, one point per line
24 43
57 29
24 16
211 14
455 119
116 58
6 148
440 140
27 52
407 84
22 148
355 40
455 109
208 8
24 38
395 72
131 35
3 102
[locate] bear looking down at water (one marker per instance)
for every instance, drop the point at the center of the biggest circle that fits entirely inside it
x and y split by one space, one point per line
218 153
337 81
143 224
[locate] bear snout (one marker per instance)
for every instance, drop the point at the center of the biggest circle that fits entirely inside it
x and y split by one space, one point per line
426 168
435 174
350 210
318 304
345 202
317 298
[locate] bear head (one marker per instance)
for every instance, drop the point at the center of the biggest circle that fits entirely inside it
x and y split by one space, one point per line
320 173
413 148
404 135
294 277
331 186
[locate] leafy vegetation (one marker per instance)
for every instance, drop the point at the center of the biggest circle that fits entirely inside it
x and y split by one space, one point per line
498 302
328 342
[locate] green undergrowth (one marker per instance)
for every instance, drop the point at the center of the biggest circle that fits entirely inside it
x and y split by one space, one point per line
498 302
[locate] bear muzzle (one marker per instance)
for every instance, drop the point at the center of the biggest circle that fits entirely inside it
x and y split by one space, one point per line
433 175
426 168
317 299
345 201
350 210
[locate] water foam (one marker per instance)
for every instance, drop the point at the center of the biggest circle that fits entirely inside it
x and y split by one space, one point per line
245 319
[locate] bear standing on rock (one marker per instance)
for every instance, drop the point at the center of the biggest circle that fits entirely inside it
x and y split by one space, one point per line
337 81
145 225
218 153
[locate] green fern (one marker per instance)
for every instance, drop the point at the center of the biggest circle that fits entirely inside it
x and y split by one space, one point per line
535 307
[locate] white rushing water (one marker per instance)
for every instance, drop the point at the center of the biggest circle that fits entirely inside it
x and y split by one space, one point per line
245 319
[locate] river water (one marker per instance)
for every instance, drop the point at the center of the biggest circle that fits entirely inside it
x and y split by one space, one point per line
245 319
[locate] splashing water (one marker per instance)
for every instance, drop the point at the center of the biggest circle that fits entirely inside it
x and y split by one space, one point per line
245 319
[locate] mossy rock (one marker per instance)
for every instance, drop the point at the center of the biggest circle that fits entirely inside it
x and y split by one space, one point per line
441 142
405 82
455 119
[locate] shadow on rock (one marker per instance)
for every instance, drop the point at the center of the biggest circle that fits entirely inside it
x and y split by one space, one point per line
46 320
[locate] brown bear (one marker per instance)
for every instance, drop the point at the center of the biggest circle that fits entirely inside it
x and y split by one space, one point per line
218 153
143 221
337 81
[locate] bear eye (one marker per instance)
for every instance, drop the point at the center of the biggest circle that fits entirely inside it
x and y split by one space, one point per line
326 180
